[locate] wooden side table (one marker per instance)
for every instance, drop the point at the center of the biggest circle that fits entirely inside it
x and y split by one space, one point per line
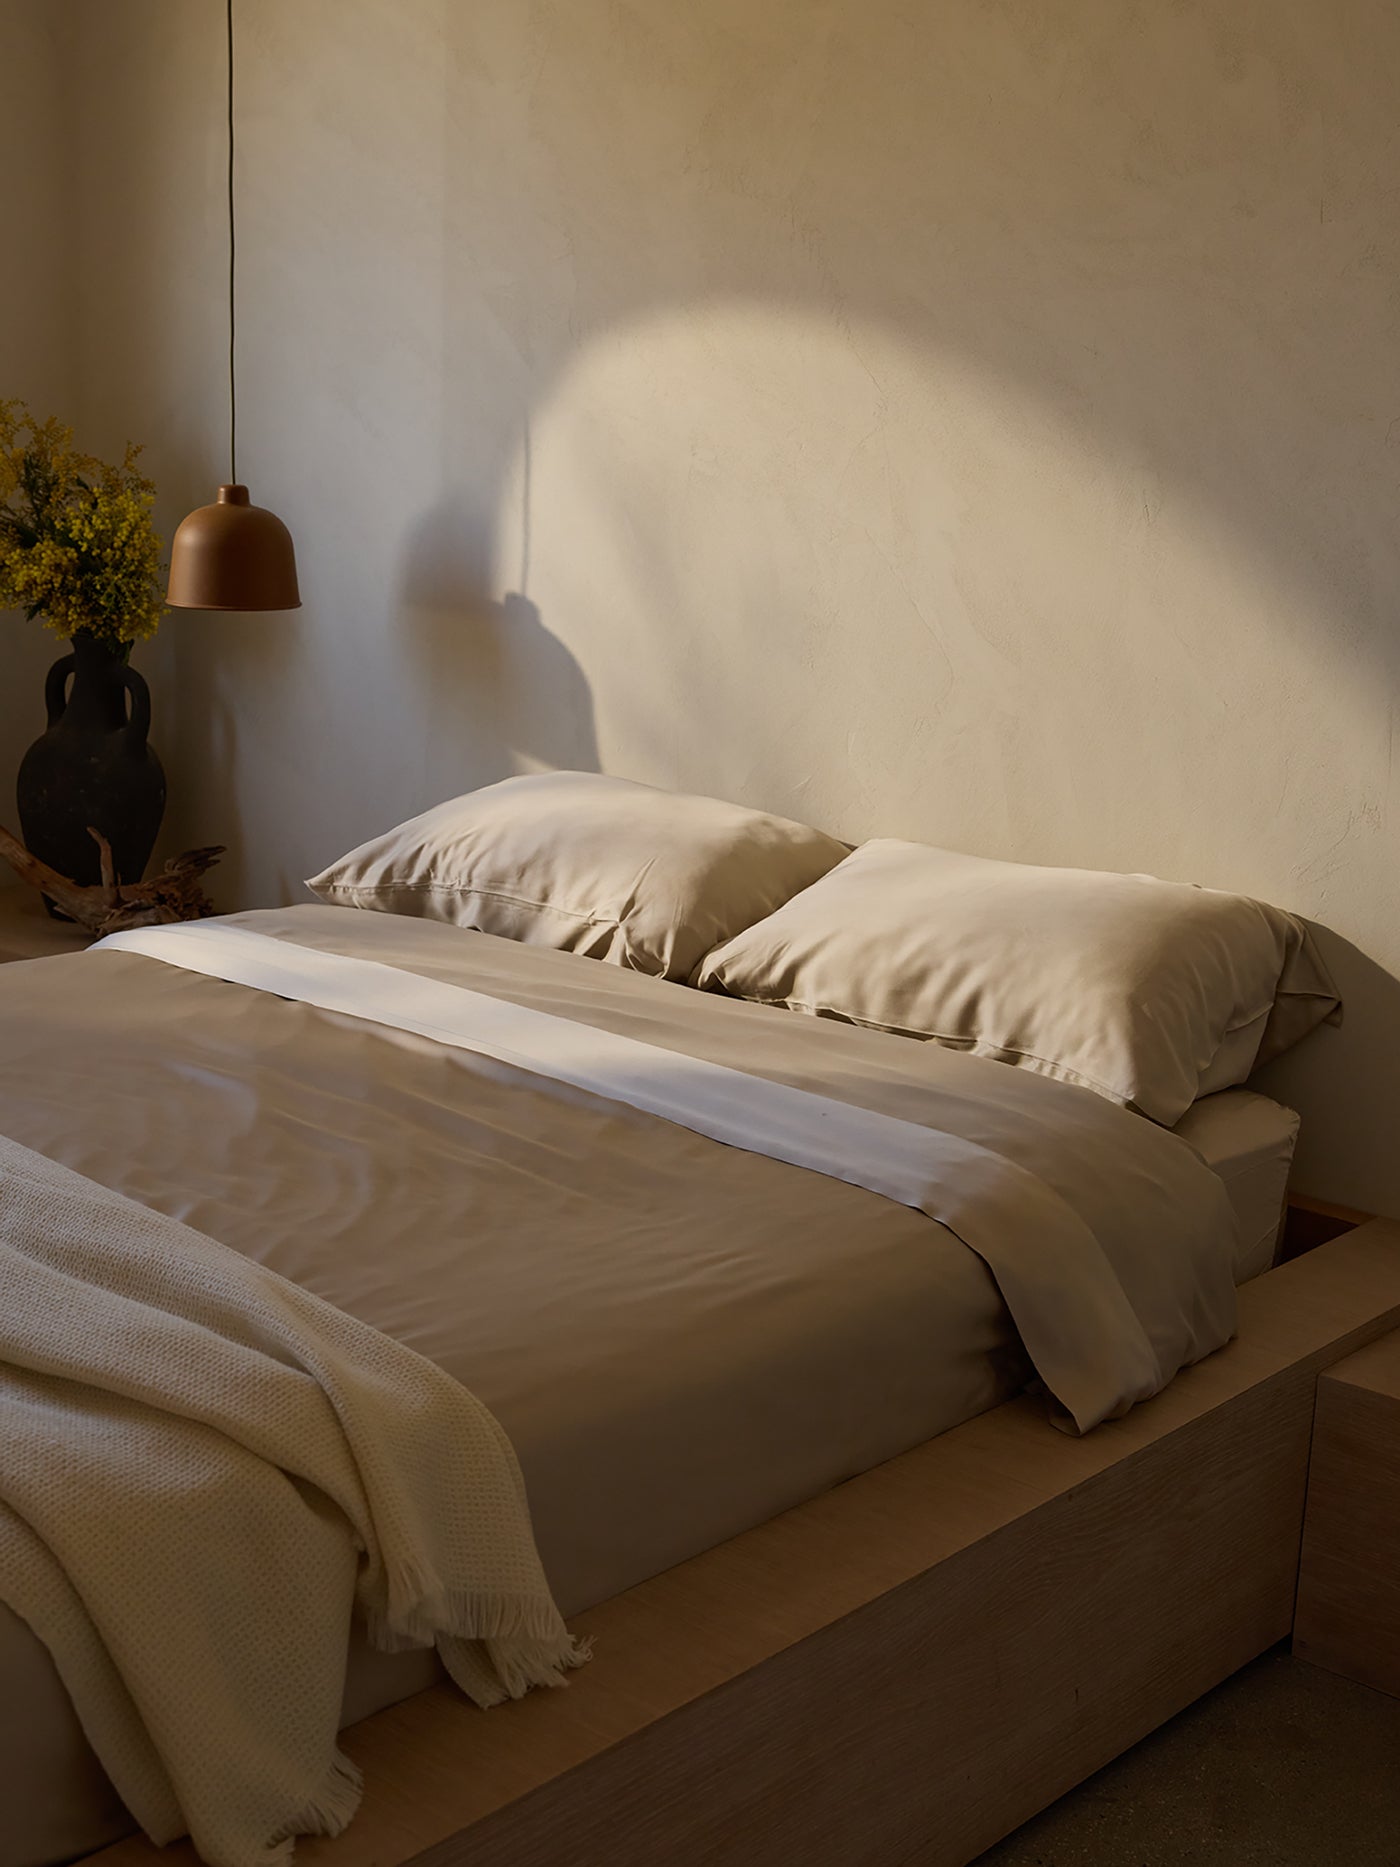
28 931
1348 1610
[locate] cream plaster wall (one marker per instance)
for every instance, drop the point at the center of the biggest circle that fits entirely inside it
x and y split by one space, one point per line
977 422
37 327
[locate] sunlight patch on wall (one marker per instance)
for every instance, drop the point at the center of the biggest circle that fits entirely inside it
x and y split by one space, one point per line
815 565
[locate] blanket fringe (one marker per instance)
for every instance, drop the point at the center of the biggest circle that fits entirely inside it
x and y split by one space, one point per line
326 1813
495 1645
490 1672
421 1610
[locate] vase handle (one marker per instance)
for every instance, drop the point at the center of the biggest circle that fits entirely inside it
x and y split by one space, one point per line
139 724
55 688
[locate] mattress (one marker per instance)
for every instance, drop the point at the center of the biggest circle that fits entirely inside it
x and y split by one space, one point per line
1248 1141
680 1339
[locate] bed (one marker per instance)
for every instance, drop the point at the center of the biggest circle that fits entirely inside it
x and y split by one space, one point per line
686 1342
357 1160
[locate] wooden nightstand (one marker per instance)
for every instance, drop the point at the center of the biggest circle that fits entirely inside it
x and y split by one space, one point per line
1348 1612
27 931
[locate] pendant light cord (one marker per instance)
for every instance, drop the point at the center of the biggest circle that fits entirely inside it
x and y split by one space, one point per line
232 395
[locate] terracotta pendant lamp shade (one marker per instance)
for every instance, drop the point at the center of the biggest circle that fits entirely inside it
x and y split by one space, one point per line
233 554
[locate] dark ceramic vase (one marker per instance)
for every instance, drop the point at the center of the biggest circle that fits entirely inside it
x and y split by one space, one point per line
92 766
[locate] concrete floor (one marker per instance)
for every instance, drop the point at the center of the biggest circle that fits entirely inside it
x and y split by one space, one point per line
1283 1766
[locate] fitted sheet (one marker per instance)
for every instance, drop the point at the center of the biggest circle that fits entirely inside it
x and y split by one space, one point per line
1248 1142
681 1339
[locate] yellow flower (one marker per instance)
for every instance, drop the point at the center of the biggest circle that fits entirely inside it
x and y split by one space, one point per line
77 545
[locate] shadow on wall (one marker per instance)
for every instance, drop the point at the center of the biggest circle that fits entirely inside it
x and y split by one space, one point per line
206 736
503 692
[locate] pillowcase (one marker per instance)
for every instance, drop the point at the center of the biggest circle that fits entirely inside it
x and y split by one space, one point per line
619 871
1150 993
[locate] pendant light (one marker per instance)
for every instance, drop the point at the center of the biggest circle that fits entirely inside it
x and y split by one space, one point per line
233 554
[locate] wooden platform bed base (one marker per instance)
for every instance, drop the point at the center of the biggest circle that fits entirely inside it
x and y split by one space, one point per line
905 1669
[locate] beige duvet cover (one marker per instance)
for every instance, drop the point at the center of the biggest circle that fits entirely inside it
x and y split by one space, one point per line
681 1339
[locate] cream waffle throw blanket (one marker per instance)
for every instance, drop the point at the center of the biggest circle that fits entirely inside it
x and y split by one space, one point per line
203 1469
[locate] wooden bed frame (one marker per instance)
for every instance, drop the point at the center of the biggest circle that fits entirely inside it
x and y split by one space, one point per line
905 1669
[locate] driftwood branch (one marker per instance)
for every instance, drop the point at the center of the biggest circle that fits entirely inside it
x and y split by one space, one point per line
111 897
109 905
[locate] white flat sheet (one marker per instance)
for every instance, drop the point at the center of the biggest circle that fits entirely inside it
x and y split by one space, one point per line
1248 1141
1100 1337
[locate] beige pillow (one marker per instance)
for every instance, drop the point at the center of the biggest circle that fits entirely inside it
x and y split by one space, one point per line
647 879
1151 993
